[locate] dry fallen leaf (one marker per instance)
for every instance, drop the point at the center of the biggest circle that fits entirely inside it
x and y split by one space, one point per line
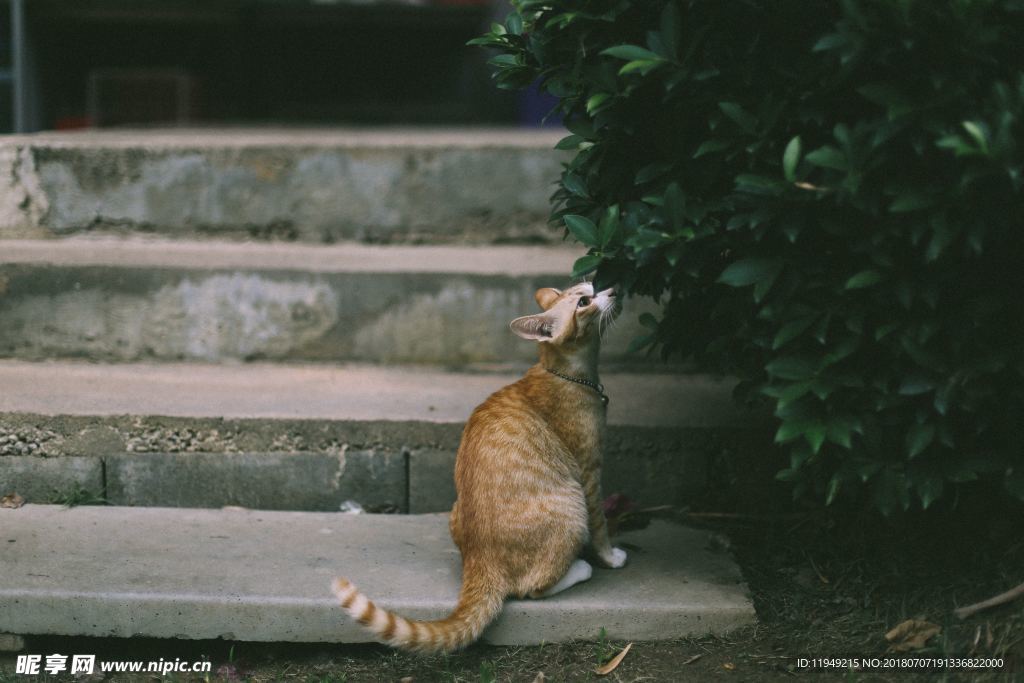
406 679
12 501
540 678
693 659
728 666
912 634
614 663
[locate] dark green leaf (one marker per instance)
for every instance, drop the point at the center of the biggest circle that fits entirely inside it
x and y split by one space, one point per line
758 184
792 429
841 428
790 158
833 488
915 385
842 349
749 271
830 42
631 53
911 202
1014 482
670 30
884 331
930 490
583 229
793 392
828 157
504 60
764 286
575 185
864 278
867 470
645 238
641 65
595 101
919 437
569 142
815 435
709 146
979 133
792 367
651 172
960 146
585 264
608 226
488 41
791 331
514 23
739 115
788 475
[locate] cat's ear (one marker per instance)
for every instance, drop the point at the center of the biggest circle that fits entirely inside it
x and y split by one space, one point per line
547 296
534 327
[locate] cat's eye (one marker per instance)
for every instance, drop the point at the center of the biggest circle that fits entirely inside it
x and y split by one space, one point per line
584 302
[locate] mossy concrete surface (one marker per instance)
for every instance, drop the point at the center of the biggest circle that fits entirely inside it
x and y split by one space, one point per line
265 576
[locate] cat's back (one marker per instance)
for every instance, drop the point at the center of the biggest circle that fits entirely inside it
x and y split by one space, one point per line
508 409
512 419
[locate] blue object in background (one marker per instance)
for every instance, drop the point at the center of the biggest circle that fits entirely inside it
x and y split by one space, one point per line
535 108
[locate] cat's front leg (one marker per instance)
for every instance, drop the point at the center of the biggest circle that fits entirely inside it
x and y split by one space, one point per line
610 557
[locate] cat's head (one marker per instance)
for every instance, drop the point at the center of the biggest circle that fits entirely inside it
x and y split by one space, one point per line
573 316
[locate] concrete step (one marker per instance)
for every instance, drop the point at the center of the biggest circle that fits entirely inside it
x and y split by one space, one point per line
421 185
311 437
265 576
130 299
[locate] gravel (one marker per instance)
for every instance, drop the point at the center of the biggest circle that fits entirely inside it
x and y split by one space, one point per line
24 440
183 440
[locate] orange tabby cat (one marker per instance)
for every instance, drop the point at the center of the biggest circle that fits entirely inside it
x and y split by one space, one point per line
527 476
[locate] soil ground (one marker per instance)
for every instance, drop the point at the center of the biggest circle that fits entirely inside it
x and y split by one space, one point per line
825 585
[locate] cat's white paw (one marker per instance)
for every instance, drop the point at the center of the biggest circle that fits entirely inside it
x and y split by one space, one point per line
579 571
615 559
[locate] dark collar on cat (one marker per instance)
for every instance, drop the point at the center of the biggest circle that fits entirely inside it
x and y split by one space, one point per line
596 386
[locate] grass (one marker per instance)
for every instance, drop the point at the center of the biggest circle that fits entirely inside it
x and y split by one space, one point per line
487 672
602 650
76 495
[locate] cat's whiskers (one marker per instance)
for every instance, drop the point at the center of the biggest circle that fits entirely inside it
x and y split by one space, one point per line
606 319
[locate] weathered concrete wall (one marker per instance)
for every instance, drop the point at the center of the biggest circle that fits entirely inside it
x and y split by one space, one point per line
133 313
44 480
23 204
313 464
434 186
268 481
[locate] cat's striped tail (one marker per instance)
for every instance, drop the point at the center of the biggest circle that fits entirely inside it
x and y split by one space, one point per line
480 602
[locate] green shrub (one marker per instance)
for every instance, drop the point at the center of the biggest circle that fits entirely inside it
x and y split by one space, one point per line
826 197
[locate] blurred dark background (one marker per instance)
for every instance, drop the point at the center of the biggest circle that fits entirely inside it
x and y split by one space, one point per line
68 64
